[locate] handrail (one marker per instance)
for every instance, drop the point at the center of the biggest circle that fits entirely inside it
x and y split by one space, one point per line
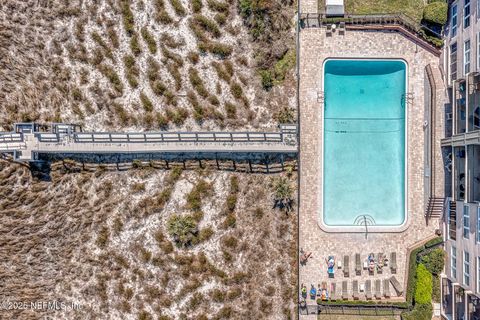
432 124
167 137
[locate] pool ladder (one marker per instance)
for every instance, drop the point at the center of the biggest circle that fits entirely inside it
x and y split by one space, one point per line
408 98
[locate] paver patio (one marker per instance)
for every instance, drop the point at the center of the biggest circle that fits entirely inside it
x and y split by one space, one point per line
315 47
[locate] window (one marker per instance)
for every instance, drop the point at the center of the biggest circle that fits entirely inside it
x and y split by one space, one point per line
454 20
466 57
466 222
466 14
478 224
453 262
466 268
453 61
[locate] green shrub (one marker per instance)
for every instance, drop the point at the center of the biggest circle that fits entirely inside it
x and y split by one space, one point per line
221 72
146 102
217 6
183 229
419 312
231 110
197 82
135 45
113 77
436 12
129 61
423 290
436 294
179 116
178 7
218 296
175 73
236 90
214 100
112 35
230 221
158 87
200 190
412 274
433 242
207 25
127 14
205 234
286 63
172 56
230 241
162 121
267 79
163 17
197 6
149 40
169 41
434 261
220 18
219 49
193 57
285 115
102 237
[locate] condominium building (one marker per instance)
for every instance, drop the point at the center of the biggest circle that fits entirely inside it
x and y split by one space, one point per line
460 284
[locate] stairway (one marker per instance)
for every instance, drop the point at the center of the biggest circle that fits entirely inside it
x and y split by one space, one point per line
435 207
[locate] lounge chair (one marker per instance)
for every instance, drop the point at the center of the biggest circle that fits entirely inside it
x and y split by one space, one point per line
368 289
324 292
396 285
331 266
380 262
329 30
355 290
333 291
358 264
378 293
319 292
344 290
386 288
341 28
346 266
393 262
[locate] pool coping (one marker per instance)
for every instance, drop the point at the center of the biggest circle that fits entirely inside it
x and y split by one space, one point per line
361 229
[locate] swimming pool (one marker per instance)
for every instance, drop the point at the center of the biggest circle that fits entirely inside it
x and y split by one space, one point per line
364 142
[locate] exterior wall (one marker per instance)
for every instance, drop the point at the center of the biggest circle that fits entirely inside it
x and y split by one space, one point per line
462 244
462 34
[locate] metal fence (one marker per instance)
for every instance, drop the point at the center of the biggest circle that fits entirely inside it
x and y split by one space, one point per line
309 20
353 310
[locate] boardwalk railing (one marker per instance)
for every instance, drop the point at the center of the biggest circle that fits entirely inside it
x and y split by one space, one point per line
158 137
11 137
408 24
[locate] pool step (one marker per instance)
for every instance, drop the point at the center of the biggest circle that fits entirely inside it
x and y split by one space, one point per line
435 207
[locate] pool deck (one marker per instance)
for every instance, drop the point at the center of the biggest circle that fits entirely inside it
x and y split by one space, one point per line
315 47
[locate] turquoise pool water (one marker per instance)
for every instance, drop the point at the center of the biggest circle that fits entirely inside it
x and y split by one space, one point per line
364 142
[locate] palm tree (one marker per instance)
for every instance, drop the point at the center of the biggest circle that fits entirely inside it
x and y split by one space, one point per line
183 229
282 194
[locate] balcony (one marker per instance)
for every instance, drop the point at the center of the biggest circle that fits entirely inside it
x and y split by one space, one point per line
459 172
474 102
460 107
